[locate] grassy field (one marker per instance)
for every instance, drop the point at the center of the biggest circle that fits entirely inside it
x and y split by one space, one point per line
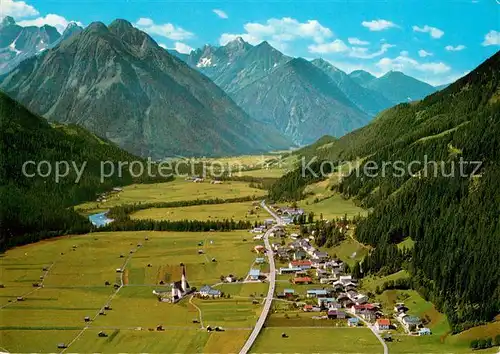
177 190
332 207
262 173
404 344
236 211
370 283
349 251
246 290
317 340
298 318
74 287
229 313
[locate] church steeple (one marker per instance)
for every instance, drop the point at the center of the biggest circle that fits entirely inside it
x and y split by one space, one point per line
183 279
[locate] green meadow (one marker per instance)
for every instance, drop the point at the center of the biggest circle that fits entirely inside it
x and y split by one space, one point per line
317 340
78 267
177 190
237 211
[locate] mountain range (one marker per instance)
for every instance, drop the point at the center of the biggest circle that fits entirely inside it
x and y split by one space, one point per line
261 80
117 82
18 43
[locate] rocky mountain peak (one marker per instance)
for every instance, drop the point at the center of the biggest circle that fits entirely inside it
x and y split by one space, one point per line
7 21
97 27
120 25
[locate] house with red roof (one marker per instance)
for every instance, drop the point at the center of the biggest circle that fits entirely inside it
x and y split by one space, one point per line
302 280
300 263
383 324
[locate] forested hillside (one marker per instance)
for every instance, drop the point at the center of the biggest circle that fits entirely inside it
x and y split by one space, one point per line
449 208
36 208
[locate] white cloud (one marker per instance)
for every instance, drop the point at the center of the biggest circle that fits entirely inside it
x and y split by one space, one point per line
422 53
407 64
357 41
337 46
162 45
362 53
182 48
17 9
458 48
59 22
220 13
491 38
378 25
166 30
225 38
433 31
280 31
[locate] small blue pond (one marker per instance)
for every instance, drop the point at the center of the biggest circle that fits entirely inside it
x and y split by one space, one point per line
100 219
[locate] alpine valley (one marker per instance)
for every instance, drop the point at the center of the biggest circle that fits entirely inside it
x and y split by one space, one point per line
240 199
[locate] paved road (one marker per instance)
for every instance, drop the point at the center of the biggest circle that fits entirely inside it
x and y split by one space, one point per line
272 285
375 332
381 340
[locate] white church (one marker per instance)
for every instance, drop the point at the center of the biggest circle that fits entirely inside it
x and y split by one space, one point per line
179 289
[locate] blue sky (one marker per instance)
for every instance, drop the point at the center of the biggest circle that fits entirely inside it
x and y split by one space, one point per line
436 41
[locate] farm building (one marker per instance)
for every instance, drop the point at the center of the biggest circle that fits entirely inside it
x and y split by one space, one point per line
254 274
317 293
424 332
353 322
411 322
259 249
327 301
336 314
208 291
302 280
289 270
302 264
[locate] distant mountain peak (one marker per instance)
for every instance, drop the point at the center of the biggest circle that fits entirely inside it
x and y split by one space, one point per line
361 72
265 44
238 39
7 21
72 24
237 45
395 73
121 24
96 27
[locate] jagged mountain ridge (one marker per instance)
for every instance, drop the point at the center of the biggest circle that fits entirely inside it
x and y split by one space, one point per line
242 70
18 43
367 100
302 101
117 82
400 88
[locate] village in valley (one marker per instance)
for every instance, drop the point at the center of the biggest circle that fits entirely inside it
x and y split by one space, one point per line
312 284
259 284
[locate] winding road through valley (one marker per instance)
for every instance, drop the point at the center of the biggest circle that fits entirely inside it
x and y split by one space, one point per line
272 283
